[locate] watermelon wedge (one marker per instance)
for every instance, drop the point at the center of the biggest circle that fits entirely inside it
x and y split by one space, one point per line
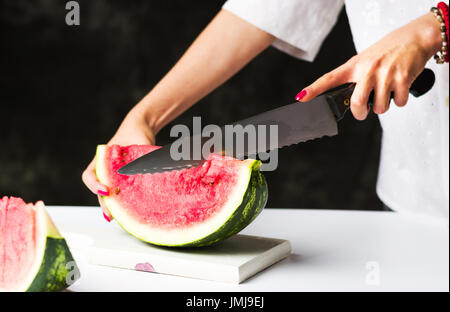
187 208
33 254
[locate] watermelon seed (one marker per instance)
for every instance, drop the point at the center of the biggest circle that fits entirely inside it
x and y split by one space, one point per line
117 191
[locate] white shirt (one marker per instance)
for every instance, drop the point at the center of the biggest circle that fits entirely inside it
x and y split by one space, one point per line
413 176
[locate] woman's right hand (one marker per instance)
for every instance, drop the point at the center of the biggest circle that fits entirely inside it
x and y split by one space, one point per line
133 130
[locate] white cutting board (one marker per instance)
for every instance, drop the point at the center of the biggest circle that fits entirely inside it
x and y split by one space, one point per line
232 260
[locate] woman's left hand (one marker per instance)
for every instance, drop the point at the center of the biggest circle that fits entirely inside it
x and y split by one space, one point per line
390 65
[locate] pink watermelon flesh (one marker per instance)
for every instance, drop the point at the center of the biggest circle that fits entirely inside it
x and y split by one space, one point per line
173 199
17 240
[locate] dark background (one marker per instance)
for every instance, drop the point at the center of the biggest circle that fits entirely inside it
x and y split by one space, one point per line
65 89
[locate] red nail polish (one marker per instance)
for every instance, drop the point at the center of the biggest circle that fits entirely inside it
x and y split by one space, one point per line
103 193
300 95
106 217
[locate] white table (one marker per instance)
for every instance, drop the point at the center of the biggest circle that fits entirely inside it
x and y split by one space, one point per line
331 251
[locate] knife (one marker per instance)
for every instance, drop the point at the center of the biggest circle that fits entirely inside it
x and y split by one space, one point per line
297 122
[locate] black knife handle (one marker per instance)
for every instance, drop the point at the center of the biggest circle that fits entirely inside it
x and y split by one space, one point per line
339 98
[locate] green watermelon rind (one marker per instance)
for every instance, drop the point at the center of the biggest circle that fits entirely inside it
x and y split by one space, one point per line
54 263
251 204
53 271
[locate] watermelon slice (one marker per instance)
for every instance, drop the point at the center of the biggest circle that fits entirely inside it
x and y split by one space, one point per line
187 208
33 255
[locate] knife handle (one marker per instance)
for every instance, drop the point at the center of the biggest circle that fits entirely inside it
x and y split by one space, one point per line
339 98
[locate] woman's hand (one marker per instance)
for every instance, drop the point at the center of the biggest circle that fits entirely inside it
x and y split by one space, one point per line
390 65
133 130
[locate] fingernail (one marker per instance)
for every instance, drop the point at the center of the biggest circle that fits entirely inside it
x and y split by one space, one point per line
102 193
300 95
106 217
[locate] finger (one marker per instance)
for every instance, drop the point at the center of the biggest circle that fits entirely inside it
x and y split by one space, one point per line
382 98
360 97
401 94
106 214
328 81
90 180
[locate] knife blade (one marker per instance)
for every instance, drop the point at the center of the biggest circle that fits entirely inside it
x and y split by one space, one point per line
295 123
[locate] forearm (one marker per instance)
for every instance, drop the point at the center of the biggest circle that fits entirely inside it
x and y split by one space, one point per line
226 45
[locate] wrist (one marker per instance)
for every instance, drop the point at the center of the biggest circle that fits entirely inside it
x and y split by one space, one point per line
430 35
142 113
157 111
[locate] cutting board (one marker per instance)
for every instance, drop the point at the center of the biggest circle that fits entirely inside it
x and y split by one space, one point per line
233 260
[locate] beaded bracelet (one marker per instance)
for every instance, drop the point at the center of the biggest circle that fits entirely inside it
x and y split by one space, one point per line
443 7
441 56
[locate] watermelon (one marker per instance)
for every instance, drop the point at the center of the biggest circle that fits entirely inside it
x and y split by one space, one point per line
33 254
186 208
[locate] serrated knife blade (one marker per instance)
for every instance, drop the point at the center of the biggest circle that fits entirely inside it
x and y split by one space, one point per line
298 122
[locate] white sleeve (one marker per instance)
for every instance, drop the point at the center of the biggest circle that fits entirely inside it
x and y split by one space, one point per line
300 26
